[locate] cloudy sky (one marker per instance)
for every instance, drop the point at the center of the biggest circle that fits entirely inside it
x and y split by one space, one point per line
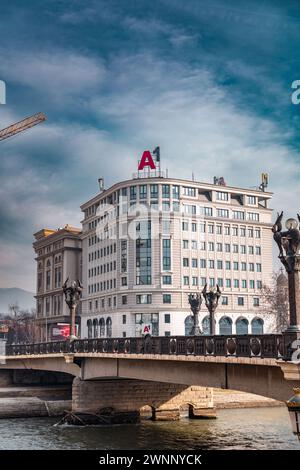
210 82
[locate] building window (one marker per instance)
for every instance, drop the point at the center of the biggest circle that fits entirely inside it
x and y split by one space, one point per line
207 211
219 264
166 298
257 326
124 281
102 327
185 262
167 333
222 196
124 319
253 216
108 327
175 192
187 191
185 244
188 325
225 326
123 256
89 325
143 191
124 299
132 192
154 191
167 280
255 301
144 299
165 190
167 318
186 280
258 267
166 254
251 200
95 328
143 254
238 215
241 326
240 301
224 213
224 300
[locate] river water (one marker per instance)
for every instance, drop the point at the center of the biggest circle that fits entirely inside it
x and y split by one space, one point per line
259 428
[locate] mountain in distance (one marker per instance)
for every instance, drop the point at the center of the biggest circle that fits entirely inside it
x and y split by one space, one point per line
15 295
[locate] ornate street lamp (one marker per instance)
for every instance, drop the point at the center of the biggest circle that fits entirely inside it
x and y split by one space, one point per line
72 297
211 301
289 243
294 411
195 301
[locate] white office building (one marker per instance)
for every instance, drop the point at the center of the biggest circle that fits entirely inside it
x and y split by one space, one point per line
149 241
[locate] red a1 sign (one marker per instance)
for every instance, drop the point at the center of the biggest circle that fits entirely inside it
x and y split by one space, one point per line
146 329
146 160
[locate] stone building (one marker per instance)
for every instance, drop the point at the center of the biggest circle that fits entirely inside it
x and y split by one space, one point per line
58 257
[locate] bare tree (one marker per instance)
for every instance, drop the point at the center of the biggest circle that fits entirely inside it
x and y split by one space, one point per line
22 325
275 300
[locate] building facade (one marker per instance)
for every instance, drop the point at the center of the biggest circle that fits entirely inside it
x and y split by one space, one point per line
58 257
150 241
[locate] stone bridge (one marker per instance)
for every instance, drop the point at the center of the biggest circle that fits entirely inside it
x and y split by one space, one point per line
162 372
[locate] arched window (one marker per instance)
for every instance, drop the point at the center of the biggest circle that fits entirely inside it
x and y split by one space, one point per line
188 325
102 327
95 328
108 327
48 263
225 326
206 325
89 328
241 326
257 326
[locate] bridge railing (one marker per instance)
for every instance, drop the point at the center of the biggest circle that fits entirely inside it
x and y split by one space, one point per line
261 346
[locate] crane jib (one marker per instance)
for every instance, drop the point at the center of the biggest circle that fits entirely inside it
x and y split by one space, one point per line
21 126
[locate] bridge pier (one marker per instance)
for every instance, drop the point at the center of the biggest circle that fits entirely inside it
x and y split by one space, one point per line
126 397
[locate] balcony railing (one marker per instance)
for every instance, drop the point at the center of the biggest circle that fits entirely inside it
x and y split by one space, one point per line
259 346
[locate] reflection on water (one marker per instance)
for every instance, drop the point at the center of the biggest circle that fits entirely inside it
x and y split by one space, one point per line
260 428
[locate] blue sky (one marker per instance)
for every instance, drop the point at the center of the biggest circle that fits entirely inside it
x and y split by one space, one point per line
210 82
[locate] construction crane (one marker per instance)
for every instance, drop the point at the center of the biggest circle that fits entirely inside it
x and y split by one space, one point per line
22 125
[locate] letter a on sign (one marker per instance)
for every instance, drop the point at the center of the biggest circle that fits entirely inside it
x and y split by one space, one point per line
146 160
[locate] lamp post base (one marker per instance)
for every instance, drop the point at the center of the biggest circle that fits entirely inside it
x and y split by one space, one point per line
196 331
291 341
72 338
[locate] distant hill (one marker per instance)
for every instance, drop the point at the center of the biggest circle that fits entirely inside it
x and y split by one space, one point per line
13 295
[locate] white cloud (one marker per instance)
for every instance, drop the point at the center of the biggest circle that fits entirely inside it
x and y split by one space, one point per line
58 75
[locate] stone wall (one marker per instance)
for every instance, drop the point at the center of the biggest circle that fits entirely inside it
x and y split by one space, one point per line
124 395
